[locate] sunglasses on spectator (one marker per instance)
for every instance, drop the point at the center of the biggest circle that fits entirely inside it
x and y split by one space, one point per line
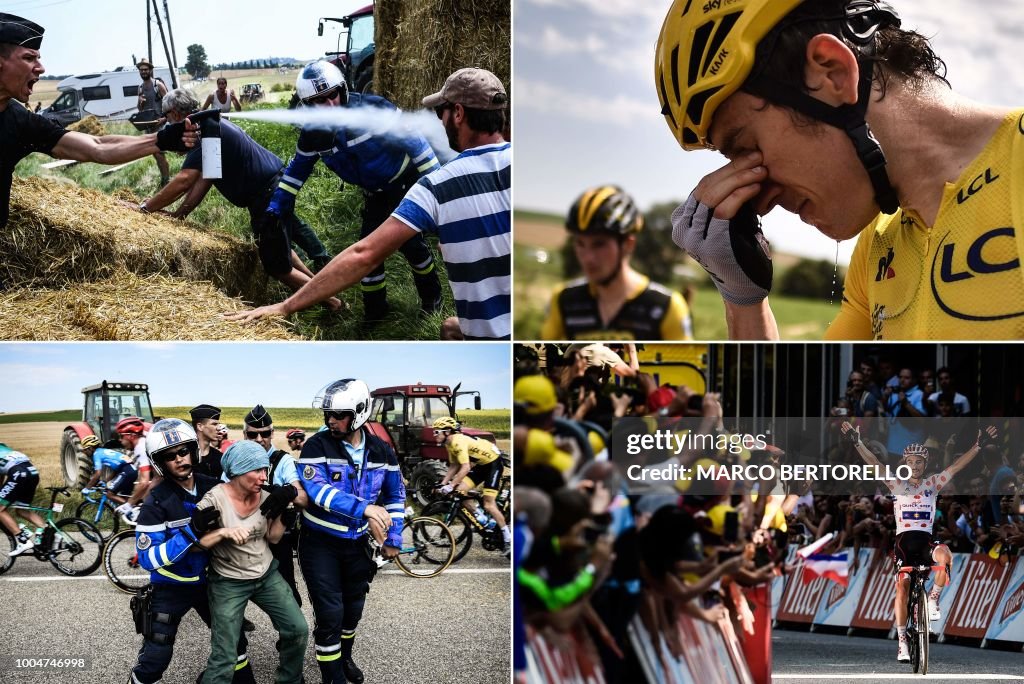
338 415
439 109
256 434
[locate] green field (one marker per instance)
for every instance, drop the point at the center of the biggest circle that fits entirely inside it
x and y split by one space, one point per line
538 270
497 421
41 417
332 212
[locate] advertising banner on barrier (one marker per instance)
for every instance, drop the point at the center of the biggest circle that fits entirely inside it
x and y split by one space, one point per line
838 603
948 597
779 583
983 581
874 610
546 663
1008 620
710 655
800 600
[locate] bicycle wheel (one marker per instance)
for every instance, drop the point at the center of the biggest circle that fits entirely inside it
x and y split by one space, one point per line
923 627
120 562
77 547
106 520
455 518
428 547
7 544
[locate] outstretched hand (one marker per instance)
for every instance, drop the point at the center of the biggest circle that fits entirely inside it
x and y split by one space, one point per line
851 433
986 436
255 314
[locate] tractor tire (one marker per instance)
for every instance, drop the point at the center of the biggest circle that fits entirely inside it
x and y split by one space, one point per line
364 84
75 465
425 477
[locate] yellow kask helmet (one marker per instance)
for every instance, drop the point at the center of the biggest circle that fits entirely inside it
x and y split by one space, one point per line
704 54
536 393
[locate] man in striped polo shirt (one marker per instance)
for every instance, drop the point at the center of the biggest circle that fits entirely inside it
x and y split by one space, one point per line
467 203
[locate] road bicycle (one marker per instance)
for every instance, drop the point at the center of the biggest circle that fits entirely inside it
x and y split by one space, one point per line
74 546
98 509
454 513
121 563
918 624
428 547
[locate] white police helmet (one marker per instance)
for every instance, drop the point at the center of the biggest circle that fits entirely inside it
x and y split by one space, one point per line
345 396
166 437
320 79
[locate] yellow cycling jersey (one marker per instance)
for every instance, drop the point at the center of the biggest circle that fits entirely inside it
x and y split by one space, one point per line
463 449
652 312
958 279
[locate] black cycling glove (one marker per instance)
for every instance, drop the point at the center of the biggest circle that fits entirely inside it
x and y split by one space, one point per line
734 252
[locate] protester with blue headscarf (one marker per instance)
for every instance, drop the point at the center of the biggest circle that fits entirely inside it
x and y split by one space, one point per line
242 568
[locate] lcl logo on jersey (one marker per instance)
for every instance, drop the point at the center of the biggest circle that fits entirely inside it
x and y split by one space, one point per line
992 253
976 186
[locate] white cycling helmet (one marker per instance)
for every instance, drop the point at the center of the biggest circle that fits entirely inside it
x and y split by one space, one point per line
320 79
167 436
345 396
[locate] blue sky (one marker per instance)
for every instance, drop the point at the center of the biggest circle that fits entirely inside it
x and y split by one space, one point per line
84 36
50 376
586 111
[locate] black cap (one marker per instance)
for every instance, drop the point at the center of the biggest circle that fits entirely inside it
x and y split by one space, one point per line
258 417
19 31
204 411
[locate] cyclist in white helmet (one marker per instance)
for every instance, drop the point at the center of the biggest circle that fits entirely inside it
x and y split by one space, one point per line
914 510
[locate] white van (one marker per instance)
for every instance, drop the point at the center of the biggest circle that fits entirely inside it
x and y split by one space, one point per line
109 95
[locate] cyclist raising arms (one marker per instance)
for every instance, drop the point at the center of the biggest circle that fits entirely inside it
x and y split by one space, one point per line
472 460
915 515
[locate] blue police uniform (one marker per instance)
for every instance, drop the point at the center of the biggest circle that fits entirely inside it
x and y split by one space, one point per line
341 482
385 166
166 548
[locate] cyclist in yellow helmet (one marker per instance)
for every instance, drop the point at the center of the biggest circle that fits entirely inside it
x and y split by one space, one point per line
472 461
612 300
831 110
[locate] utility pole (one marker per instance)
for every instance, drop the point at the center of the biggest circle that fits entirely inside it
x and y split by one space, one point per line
149 33
167 52
170 34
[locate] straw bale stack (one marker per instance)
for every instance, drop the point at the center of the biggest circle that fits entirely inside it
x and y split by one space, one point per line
419 43
59 233
130 307
90 125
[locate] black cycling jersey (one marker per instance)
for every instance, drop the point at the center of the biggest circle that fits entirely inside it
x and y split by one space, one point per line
639 318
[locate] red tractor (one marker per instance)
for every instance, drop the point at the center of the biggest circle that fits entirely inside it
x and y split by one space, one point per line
403 416
105 404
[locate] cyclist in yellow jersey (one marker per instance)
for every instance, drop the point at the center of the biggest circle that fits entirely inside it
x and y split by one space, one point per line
612 301
472 461
867 125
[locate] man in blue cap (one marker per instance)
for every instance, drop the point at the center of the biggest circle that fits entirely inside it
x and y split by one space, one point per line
23 132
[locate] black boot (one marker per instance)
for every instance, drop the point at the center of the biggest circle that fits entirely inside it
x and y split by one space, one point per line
428 287
352 671
375 306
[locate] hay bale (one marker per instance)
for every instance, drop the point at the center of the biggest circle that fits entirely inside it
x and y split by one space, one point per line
59 234
90 125
420 43
127 306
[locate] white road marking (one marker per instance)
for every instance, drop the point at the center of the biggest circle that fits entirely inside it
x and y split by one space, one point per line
902 675
449 571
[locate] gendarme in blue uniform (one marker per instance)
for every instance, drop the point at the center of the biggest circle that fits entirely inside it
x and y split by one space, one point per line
341 482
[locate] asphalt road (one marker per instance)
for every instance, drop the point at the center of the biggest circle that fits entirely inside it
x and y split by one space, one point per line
799 657
450 628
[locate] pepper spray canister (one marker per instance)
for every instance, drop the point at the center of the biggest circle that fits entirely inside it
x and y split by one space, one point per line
209 136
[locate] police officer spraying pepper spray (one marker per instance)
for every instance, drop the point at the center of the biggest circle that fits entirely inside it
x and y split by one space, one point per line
170 551
356 500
